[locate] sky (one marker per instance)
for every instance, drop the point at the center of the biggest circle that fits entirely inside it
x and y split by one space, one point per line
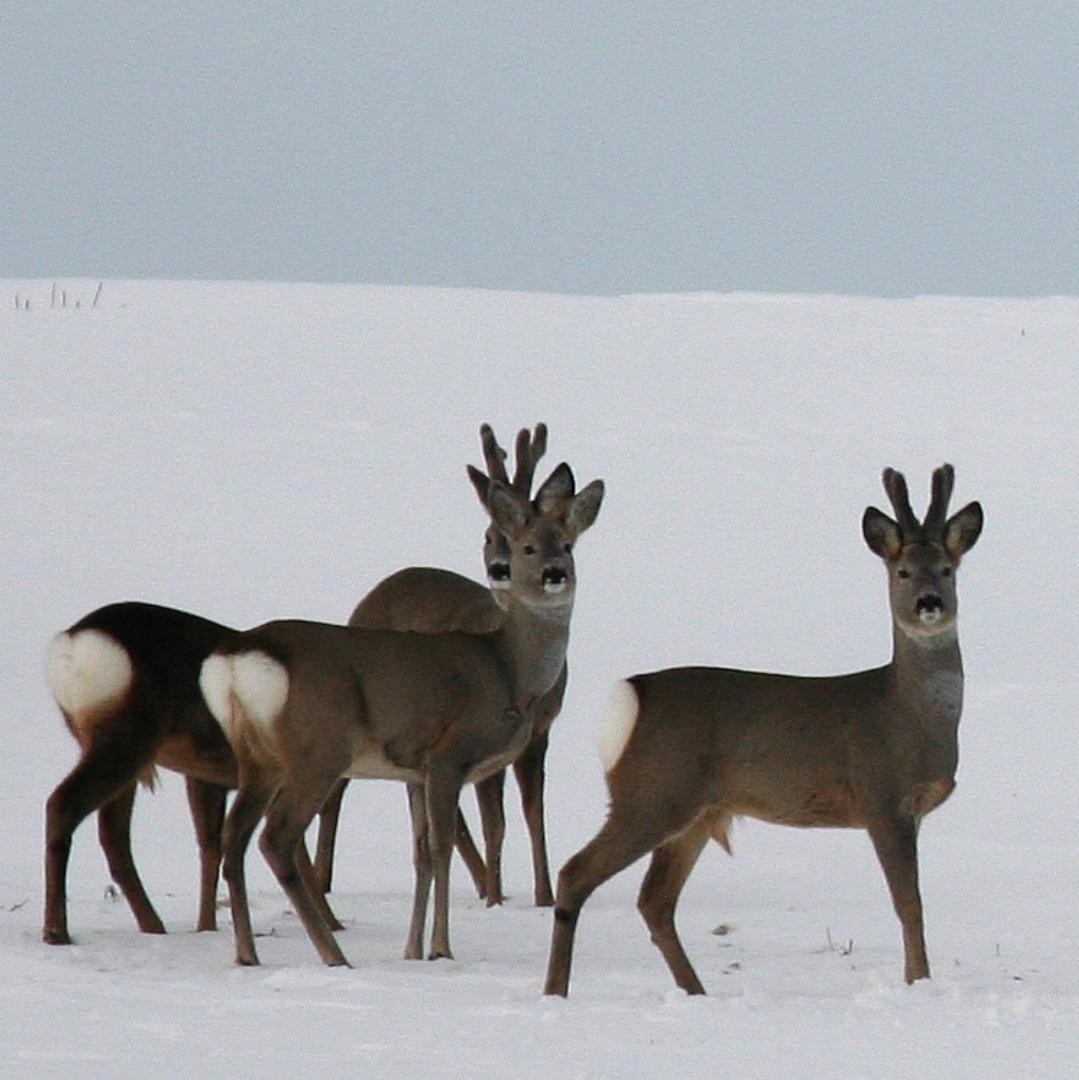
593 148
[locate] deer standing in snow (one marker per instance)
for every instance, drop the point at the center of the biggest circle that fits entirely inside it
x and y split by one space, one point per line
688 749
432 600
126 679
303 704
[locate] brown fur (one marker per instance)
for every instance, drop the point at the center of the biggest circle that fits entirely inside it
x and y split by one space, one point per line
874 750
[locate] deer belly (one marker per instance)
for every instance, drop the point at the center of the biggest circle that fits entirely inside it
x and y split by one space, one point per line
200 759
371 764
830 806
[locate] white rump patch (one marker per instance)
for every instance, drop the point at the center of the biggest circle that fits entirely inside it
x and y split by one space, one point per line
87 670
258 681
622 710
215 682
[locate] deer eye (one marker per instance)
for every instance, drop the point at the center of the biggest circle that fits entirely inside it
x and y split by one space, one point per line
946 572
529 549
567 548
903 573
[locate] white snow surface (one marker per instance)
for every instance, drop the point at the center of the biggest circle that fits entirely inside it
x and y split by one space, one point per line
251 451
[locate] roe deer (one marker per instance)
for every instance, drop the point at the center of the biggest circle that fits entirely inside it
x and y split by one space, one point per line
304 704
687 749
431 600
126 679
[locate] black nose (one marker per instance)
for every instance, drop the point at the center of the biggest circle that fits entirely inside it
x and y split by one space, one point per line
554 575
499 571
929 603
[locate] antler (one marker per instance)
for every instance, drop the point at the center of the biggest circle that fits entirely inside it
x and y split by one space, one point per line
896 487
530 447
493 455
529 450
936 515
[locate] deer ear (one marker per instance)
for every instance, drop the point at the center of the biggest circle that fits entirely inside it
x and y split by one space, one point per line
556 491
584 507
507 509
481 483
962 529
881 533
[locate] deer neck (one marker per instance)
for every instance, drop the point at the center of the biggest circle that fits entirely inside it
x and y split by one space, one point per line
533 642
928 674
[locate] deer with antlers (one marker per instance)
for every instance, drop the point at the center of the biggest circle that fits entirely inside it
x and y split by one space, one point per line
303 704
126 680
430 600
687 749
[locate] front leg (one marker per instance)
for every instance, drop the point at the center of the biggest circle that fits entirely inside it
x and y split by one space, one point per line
529 771
442 789
421 865
896 842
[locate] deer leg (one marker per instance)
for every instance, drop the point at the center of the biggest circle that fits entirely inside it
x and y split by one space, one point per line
247 809
896 844
529 771
286 822
327 835
671 865
626 836
207 802
466 848
489 794
421 863
102 771
114 835
314 886
442 789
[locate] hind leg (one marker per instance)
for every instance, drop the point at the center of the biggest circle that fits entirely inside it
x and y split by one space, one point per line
671 865
100 774
637 823
247 808
286 822
207 802
470 855
114 834
621 841
490 796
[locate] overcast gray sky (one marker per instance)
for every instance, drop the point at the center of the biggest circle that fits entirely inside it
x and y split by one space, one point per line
883 148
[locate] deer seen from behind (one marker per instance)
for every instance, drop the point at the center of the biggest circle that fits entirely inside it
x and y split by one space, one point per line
304 704
687 749
126 679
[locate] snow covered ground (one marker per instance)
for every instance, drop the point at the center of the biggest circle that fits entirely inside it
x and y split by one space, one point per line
251 451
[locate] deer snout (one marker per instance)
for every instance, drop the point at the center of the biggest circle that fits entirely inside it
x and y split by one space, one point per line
555 578
499 575
929 607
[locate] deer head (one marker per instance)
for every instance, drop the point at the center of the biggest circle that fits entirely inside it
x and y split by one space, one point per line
922 557
529 449
539 535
